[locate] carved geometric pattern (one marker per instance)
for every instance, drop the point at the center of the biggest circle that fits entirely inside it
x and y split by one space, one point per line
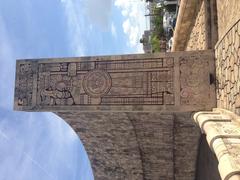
107 82
96 83
24 84
123 82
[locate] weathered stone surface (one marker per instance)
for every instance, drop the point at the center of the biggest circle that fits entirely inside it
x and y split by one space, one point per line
227 70
186 146
111 144
149 146
148 82
198 39
186 16
228 14
196 27
222 131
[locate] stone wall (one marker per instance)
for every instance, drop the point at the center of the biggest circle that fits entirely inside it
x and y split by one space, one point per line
227 52
186 17
227 69
219 20
198 38
186 145
196 27
213 19
228 12
148 146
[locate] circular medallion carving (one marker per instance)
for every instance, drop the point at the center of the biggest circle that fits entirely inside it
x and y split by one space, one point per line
96 83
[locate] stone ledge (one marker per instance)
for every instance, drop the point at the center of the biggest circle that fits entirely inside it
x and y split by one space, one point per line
233 116
223 136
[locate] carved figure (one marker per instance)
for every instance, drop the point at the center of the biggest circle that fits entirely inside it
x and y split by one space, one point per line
59 96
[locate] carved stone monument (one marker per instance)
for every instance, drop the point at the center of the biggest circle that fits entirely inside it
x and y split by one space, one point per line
153 82
132 112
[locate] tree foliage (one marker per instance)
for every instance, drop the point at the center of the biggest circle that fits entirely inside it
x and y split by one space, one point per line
157 20
155 42
158 31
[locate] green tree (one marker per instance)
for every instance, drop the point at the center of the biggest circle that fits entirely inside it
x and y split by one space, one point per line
158 31
157 21
155 42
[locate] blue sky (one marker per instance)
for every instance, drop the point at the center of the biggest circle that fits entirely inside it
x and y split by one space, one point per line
41 145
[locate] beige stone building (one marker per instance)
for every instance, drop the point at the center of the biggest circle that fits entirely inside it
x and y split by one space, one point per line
163 116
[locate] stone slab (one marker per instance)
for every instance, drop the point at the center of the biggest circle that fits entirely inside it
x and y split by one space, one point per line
178 81
223 137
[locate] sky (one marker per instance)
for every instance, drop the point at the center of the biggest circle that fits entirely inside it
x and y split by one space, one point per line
41 145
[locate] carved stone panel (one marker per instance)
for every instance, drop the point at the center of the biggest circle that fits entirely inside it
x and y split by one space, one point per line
24 84
116 83
194 81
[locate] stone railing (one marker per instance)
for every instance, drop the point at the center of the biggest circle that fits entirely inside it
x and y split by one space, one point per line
222 131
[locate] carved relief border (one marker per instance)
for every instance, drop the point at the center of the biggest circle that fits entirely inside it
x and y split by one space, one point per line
25 90
106 82
174 81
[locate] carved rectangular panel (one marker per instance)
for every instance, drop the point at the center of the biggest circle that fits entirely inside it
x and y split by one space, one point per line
143 82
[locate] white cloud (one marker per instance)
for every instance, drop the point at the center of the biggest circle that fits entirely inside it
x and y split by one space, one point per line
7 67
113 30
82 16
99 12
126 26
134 22
75 26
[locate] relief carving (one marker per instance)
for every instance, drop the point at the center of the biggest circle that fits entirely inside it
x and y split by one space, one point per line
114 82
194 80
25 84
110 82
61 95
